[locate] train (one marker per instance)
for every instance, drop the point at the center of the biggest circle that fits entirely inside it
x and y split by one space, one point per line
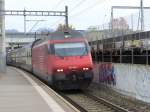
62 59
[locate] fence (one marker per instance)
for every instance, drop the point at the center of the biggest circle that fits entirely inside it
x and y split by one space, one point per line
132 48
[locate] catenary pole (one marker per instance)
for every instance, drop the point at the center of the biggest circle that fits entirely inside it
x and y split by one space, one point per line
2 39
142 16
66 16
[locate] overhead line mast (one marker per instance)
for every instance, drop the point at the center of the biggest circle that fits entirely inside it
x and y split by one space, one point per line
26 13
142 16
2 39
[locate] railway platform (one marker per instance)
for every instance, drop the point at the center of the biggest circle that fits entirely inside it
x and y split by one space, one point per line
20 93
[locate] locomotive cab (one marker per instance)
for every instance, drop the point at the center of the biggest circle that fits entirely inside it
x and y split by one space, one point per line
63 60
72 62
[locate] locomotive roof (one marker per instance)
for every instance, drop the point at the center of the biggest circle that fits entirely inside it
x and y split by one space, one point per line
59 35
66 34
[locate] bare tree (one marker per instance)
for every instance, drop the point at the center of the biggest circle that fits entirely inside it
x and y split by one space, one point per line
62 27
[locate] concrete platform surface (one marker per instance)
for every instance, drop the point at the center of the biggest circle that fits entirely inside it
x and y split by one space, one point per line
18 93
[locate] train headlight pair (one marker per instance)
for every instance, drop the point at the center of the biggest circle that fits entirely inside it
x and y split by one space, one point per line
85 69
60 70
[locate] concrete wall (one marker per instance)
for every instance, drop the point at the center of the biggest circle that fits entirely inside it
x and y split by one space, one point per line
131 80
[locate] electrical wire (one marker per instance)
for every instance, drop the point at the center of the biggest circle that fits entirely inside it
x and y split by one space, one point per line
87 9
58 21
105 16
82 11
138 21
58 4
77 5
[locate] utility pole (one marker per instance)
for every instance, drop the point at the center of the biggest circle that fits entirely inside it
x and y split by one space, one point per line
24 21
66 17
112 22
2 39
142 16
132 26
112 14
141 9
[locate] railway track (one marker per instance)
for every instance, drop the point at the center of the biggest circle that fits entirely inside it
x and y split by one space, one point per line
86 102
82 101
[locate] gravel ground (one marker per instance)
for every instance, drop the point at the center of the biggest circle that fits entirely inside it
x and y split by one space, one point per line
119 99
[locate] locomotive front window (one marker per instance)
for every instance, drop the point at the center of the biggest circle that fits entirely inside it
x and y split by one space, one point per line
70 49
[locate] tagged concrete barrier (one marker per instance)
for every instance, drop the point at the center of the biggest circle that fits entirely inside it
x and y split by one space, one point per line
131 80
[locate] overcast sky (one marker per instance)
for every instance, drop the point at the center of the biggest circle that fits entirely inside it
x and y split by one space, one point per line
82 13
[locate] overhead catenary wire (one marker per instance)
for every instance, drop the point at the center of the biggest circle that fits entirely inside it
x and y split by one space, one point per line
55 7
87 9
105 16
57 4
106 11
37 21
138 21
58 21
82 11
71 10
77 5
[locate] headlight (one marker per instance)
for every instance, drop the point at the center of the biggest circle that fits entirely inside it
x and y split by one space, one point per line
85 69
60 70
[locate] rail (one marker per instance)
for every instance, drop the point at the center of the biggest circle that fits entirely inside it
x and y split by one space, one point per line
89 103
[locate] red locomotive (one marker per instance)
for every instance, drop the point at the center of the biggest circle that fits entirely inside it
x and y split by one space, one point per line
62 59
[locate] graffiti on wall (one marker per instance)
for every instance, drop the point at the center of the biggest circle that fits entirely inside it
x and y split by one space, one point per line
107 74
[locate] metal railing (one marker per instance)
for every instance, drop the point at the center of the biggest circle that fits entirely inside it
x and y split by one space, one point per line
115 50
